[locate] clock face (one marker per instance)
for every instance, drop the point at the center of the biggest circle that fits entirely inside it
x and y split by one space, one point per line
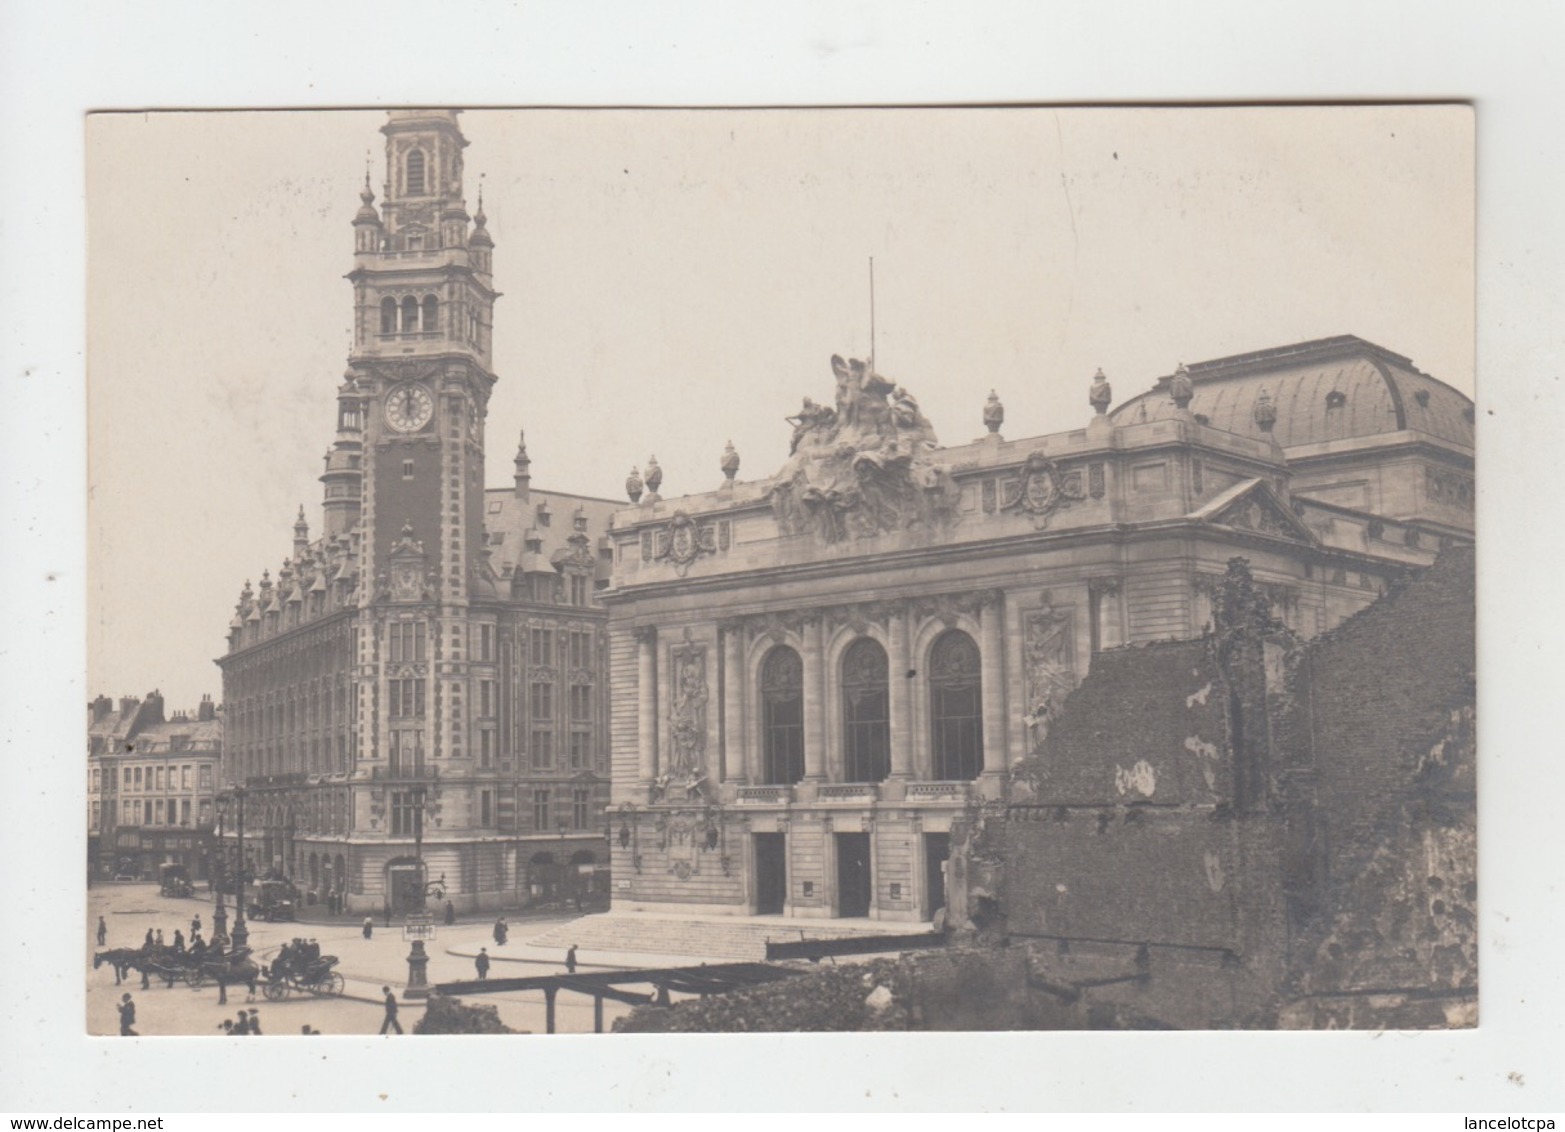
409 407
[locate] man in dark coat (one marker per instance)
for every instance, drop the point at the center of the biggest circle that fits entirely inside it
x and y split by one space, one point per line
390 1022
179 941
570 960
103 932
450 915
482 962
127 1017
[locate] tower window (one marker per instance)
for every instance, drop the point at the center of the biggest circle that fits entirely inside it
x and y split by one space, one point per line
416 173
409 314
431 310
388 316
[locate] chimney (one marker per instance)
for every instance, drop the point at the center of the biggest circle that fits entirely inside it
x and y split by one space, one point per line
207 712
152 709
128 704
100 708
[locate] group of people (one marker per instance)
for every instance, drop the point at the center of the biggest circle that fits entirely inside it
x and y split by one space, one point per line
154 939
296 957
247 1023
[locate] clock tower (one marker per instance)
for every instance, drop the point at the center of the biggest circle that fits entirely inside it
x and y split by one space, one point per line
412 408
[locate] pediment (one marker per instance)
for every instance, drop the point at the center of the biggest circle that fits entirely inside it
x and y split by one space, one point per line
1254 505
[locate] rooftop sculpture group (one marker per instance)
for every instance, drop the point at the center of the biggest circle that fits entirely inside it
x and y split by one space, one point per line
863 466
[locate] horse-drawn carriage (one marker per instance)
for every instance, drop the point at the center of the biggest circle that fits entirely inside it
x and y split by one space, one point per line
301 967
174 880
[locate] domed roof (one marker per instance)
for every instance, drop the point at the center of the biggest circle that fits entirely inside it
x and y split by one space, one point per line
1329 389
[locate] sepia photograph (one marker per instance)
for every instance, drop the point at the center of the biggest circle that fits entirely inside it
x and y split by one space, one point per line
628 572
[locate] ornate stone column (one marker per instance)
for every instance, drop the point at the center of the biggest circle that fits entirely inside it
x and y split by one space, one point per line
646 703
736 766
990 619
899 696
814 701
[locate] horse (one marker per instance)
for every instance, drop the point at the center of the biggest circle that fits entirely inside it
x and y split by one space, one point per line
121 958
244 971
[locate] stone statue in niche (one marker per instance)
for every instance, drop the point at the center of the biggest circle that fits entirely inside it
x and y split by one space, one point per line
687 721
1049 666
864 466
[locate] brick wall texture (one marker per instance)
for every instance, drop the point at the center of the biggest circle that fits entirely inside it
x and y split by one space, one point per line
1251 831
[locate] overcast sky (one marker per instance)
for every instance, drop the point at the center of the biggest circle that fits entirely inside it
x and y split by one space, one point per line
674 280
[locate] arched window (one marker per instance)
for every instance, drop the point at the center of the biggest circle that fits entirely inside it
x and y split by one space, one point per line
409 314
782 717
388 316
431 309
956 708
416 173
866 712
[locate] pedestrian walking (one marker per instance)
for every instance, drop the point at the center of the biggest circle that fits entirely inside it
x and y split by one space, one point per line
390 1022
242 1026
255 1022
195 924
147 944
500 930
160 939
570 960
482 962
127 1017
103 932
369 927
179 941
450 914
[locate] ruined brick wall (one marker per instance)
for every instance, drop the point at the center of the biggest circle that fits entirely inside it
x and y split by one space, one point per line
1146 725
1372 697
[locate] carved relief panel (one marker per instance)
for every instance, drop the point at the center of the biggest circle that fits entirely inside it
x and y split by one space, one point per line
1049 665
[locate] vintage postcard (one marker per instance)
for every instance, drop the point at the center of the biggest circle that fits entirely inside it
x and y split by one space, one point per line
612 571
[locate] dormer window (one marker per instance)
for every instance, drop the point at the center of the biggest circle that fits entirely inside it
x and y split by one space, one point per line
1336 399
416 173
1422 397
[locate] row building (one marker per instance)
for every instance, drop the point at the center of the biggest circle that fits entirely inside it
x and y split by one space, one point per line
152 786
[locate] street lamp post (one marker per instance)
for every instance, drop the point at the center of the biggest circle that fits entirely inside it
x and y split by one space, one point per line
418 840
241 935
217 869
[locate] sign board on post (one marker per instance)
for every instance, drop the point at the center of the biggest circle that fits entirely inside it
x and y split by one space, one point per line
420 925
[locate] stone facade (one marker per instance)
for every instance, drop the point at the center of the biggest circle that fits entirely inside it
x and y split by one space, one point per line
817 674
152 787
419 696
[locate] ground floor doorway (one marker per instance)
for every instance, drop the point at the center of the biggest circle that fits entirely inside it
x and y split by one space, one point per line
937 851
855 887
771 873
